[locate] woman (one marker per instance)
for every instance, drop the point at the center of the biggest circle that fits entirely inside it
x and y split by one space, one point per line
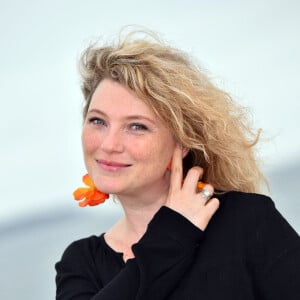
146 105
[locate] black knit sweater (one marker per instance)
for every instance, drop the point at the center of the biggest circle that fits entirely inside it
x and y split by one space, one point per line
248 251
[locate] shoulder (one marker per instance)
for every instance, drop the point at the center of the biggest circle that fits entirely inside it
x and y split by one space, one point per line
87 242
82 250
254 214
246 205
241 199
77 271
250 213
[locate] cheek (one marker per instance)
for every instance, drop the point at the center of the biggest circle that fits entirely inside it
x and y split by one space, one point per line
137 149
154 154
89 141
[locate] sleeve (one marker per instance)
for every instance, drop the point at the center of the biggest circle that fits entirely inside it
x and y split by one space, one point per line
162 256
278 253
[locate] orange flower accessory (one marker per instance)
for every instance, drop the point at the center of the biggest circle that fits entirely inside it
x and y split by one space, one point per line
90 194
200 185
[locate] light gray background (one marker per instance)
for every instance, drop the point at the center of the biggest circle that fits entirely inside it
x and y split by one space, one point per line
251 48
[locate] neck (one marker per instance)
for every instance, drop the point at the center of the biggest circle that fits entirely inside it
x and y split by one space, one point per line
139 209
136 219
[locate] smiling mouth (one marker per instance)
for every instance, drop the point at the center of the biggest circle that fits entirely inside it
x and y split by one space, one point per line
112 165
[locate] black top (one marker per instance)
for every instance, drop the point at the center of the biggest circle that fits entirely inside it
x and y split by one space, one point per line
248 251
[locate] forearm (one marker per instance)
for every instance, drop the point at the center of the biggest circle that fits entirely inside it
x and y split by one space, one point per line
162 256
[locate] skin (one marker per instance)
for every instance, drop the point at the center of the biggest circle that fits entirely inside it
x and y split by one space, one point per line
127 149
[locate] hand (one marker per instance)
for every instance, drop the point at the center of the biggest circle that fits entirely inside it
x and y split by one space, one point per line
184 197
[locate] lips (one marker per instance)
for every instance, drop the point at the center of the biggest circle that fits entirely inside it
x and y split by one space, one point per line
111 165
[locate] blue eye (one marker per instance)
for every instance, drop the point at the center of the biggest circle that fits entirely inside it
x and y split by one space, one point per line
96 121
138 127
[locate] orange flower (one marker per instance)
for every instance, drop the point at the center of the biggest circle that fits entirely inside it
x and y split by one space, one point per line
90 194
200 185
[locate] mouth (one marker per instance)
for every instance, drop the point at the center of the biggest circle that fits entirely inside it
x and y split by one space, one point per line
111 165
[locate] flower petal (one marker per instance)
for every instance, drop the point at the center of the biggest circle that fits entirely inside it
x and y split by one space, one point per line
200 185
91 200
84 203
80 193
96 202
99 195
88 180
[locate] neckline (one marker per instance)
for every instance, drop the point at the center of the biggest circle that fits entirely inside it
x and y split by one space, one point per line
110 249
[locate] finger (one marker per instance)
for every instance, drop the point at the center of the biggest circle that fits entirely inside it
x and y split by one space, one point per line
206 192
176 172
208 211
211 206
192 178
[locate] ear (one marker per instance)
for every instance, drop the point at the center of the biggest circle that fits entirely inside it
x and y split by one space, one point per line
184 154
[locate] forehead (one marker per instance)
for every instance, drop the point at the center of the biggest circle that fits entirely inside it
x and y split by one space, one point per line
111 95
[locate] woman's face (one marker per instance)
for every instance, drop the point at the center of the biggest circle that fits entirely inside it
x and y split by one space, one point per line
126 147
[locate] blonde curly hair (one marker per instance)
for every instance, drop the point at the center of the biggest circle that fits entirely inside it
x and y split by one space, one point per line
202 117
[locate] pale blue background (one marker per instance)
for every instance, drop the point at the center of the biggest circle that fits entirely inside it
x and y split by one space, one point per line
251 48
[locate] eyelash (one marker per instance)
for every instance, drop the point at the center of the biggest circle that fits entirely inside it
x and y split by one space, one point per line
96 121
133 126
138 127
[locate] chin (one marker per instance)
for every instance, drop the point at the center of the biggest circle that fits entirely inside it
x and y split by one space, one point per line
109 189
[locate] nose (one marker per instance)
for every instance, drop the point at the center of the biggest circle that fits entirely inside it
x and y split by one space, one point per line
112 141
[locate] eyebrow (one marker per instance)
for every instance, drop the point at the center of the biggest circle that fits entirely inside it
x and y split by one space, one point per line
130 117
